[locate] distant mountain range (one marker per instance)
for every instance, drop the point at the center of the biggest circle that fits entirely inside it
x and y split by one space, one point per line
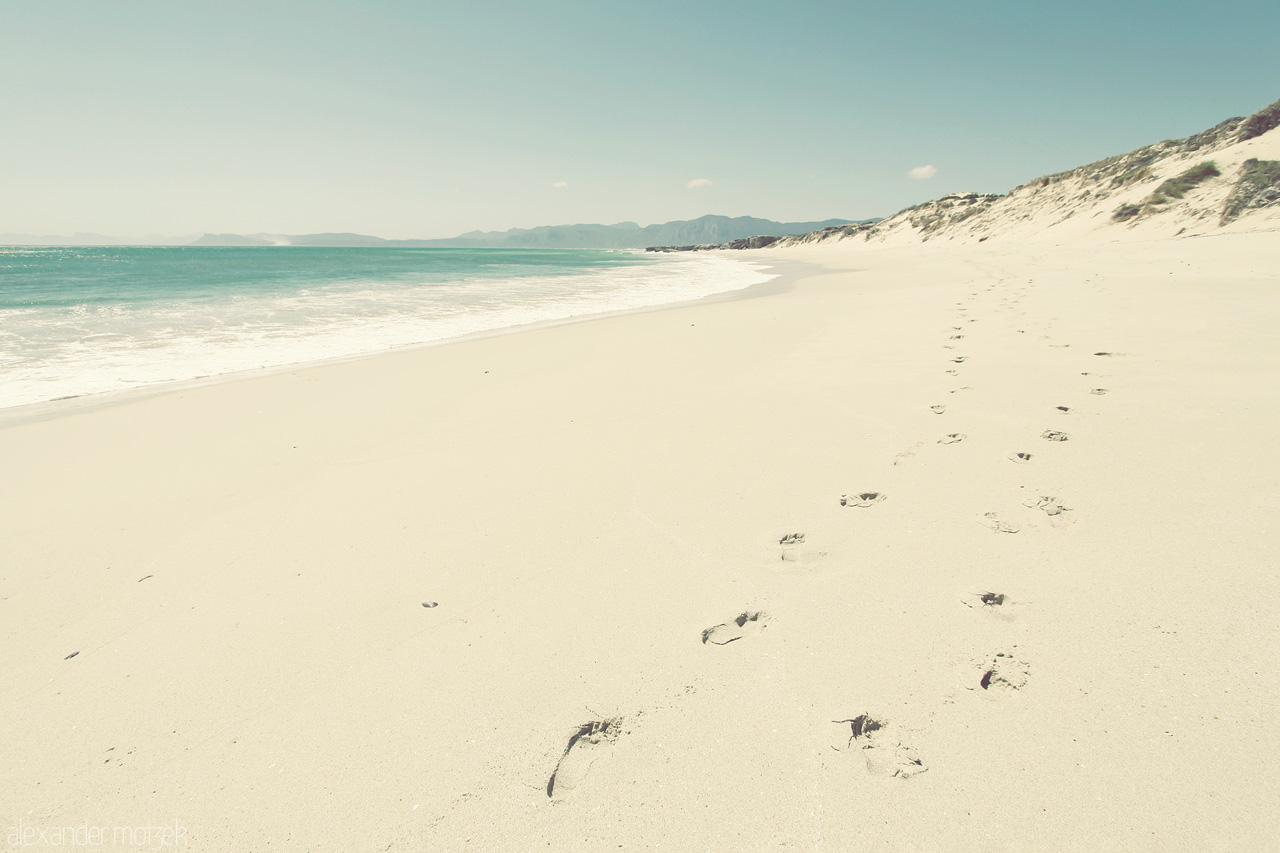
629 235
623 235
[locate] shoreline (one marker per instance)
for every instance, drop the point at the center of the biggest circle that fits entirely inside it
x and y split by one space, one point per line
62 406
710 576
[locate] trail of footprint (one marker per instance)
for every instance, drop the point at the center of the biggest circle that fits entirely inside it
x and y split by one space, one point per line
584 747
883 754
745 624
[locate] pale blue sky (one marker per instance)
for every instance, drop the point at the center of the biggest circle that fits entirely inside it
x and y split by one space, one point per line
427 119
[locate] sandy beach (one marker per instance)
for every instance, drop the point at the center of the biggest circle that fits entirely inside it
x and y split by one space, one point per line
703 578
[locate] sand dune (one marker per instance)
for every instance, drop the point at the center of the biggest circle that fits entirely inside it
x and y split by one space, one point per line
1223 180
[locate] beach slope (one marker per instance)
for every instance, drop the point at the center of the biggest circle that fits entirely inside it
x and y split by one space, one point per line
962 549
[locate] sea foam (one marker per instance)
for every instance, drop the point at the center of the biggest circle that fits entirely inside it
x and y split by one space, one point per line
85 321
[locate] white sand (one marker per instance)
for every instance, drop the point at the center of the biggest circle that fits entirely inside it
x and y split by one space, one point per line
606 491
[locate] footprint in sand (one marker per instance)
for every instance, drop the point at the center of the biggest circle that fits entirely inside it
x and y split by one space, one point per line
953 372
1020 457
902 457
1054 435
956 338
745 624
952 438
883 753
938 409
1049 504
1098 391
792 547
996 604
962 388
994 521
1003 672
864 499
960 359
1051 507
585 746
1063 408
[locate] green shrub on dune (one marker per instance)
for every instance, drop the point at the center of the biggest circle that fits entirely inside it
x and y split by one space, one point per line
1174 188
1177 187
1258 186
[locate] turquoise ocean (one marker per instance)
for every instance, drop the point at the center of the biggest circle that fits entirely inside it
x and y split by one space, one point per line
90 320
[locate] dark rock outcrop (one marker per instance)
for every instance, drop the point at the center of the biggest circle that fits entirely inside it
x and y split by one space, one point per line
705 230
745 243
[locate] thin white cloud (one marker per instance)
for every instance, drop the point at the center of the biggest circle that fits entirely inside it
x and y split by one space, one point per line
559 185
699 183
923 173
